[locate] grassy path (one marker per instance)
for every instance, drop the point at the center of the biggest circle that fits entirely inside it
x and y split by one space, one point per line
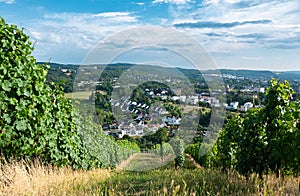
144 161
147 161
190 180
32 179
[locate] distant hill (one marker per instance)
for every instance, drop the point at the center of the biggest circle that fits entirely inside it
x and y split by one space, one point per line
252 74
290 75
192 73
258 74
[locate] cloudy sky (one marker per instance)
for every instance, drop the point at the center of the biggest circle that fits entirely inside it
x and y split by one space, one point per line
238 34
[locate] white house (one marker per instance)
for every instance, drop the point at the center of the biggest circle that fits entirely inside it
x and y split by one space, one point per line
171 120
127 129
175 98
233 105
248 106
193 100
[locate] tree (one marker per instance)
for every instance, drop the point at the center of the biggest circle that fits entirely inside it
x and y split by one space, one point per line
178 148
161 136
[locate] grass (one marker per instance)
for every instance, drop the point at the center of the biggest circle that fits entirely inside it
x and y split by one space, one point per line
81 95
23 178
189 108
170 182
195 181
146 161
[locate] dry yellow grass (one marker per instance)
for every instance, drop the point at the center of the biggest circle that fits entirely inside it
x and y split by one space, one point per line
279 186
79 95
23 178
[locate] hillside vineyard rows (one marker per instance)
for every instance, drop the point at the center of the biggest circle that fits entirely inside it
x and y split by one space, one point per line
42 131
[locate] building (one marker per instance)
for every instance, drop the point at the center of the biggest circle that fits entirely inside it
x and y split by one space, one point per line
233 105
192 100
171 120
127 129
247 106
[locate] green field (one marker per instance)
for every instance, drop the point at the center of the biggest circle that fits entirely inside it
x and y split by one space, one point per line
189 108
80 95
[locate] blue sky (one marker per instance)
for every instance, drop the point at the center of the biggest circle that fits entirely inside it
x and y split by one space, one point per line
238 34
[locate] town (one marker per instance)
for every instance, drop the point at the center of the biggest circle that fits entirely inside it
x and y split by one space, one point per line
144 110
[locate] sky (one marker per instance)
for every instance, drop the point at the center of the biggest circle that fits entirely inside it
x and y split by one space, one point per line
237 34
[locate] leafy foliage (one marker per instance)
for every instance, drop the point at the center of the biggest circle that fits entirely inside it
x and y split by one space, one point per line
178 147
163 149
36 121
262 140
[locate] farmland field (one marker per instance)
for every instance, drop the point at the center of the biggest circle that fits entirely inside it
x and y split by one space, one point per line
80 95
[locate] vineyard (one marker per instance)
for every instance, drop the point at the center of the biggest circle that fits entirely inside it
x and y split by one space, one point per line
34 179
264 140
38 123
44 137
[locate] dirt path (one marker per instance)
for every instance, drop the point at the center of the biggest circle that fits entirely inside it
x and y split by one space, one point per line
146 161
126 162
192 161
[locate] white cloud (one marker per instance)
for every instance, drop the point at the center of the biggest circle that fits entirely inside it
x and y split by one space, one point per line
172 1
217 2
36 35
138 3
252 58
285 25
105 17
76 32
7 1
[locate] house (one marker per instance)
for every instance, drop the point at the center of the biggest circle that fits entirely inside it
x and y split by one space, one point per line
175 98
139 130
127 129
163 97
247 106
171 120
192 100
182 98
233 105
261 90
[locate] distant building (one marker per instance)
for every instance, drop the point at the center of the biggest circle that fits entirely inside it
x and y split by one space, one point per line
247 106
127 129
171 120
261 90
233 105
182 98
175 98
193 100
